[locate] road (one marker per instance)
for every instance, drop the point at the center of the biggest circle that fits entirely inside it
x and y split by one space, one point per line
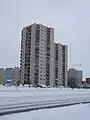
14 100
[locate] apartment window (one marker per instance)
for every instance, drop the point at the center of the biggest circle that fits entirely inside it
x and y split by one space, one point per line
41 43
41 68
41 30
41 75
41 33
41 60
63 48
42 49
41 46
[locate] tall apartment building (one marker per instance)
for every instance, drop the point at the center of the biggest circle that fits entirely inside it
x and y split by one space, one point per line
37 55
61 59
1 75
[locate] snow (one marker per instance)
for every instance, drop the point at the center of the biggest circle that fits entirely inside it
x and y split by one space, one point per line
75 112
24 96
17 95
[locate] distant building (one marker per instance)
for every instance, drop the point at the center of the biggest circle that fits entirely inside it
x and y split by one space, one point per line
74 77
12 74
87 80
1 76
61 56
8 74
16 76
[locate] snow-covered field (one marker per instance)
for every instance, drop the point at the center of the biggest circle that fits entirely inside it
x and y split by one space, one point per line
76 112
13 95
12 98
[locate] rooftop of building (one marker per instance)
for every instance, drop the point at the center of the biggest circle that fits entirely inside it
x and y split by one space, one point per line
36 24
60 44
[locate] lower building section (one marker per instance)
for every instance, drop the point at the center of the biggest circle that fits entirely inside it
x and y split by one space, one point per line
47 70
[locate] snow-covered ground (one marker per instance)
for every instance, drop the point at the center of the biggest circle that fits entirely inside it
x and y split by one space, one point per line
12 98
14 95
76 112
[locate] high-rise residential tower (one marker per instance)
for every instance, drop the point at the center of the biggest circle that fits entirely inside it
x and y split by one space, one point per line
37 55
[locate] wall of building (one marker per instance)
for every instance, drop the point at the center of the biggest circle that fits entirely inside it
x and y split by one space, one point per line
42 54
66 64
60 65
22 60
52 58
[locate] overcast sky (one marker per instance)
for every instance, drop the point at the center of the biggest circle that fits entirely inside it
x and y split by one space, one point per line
70 18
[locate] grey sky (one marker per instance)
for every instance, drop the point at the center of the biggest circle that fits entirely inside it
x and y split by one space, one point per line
70 18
